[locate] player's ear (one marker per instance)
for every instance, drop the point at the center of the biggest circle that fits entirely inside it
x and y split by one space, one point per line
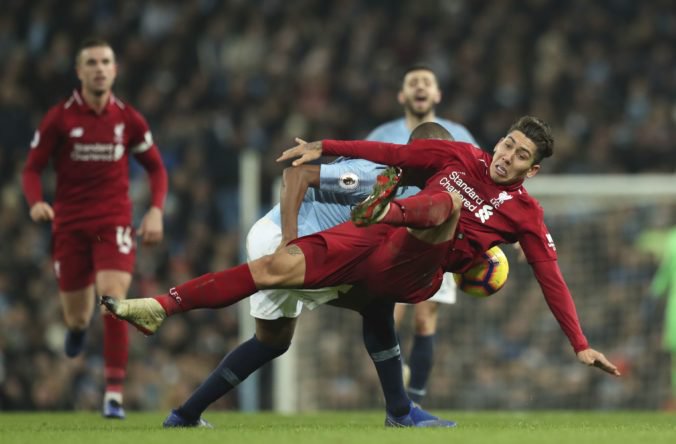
400 97
437 97
533 170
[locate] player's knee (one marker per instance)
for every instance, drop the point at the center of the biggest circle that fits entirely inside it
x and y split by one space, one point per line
426 326
276 333
76 321
445 210
426 318
456 199
263 271
117 292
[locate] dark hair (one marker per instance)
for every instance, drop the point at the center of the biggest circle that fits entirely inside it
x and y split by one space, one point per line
430 130
91 42
417 67
539 132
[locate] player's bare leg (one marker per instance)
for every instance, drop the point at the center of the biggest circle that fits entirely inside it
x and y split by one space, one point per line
78 307
283 269
114 283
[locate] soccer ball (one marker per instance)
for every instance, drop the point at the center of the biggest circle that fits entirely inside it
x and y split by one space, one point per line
487 277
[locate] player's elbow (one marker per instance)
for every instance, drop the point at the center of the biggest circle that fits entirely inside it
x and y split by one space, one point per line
443 210
290 174
456 199
306 174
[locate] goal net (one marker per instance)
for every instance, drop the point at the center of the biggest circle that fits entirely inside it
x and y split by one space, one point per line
507 351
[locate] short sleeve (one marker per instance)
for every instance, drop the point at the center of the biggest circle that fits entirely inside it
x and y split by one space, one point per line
350 176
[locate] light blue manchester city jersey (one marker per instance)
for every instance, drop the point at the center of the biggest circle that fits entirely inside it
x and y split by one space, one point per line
396 131
343 183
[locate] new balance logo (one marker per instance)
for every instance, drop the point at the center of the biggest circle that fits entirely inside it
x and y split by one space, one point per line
76 132
484 213
36 140
550 241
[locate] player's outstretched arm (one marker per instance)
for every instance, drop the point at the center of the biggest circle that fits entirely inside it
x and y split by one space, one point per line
305 151
595 358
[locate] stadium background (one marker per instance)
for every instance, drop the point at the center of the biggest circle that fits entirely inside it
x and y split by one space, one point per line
214 78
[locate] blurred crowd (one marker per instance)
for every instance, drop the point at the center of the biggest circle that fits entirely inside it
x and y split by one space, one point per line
216 77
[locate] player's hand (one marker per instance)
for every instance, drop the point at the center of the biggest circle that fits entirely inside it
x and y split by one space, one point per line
594 358
41 211
151 229
305 151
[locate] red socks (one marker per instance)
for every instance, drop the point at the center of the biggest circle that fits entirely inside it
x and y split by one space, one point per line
419 211
115 352
212 290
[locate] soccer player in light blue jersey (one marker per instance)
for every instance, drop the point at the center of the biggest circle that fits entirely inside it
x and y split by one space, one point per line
313 198
419 95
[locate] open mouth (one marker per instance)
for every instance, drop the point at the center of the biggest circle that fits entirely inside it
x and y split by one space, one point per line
420 99
500 170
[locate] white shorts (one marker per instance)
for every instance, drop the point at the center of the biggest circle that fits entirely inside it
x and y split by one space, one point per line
264 238
446 293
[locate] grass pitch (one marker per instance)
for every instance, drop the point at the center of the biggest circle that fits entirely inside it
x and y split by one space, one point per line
343 427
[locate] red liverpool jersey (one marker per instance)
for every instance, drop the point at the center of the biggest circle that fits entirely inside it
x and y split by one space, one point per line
492 214
90 153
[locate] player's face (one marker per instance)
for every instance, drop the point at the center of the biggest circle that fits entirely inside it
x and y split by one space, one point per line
513 159
420 92
96 69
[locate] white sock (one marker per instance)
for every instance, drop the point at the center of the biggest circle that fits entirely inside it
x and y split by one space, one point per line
112 396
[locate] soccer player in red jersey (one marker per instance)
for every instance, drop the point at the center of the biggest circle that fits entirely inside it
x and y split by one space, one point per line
470 202
89 138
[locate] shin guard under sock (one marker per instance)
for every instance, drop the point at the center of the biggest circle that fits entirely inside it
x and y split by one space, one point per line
419 211
248 357
212 290
380 339
420 362
115 352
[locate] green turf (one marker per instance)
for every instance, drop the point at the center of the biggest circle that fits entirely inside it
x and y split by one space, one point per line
344 427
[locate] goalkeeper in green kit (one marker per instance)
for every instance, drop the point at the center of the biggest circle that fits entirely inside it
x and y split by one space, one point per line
664 283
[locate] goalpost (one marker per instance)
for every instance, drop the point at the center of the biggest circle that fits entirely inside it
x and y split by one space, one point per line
284 386
507 351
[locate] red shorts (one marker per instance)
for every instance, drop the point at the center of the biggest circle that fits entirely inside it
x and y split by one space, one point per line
387 261
78 255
